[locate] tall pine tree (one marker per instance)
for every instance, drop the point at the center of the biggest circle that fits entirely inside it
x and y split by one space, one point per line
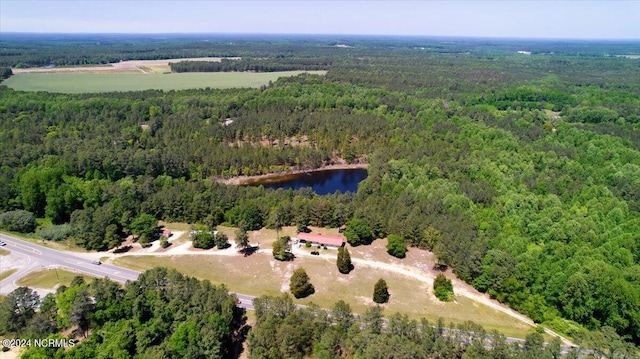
344 261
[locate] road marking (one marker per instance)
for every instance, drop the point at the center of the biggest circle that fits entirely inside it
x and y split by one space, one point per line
19 245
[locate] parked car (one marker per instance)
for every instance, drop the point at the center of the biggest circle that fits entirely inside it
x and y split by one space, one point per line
2 243
315 253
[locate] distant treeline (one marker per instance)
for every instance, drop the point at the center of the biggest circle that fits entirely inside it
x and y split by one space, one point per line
253 65
31 50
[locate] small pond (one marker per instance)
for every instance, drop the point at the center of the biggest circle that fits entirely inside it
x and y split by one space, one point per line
321 182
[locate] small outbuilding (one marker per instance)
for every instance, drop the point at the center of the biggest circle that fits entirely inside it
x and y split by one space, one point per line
323 240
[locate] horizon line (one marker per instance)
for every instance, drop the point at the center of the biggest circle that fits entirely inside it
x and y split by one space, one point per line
323 35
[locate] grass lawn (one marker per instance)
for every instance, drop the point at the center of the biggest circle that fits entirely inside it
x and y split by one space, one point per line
7 273
69 82
260 274
4 252
49 279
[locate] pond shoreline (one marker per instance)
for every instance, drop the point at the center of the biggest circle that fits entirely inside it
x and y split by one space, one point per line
248 180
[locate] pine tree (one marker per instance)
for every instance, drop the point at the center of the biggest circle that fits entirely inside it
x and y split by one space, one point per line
344 261
300 284
381 292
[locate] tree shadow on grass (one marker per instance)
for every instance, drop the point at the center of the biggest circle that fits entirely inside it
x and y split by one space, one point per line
123 249
249 250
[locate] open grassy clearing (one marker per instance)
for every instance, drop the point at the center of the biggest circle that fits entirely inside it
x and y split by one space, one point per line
7 273
4 252
113 82
51 278
259 274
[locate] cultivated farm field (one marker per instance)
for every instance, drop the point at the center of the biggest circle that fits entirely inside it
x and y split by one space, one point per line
142 66
78 82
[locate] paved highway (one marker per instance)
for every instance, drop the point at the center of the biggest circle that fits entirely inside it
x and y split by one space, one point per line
40 257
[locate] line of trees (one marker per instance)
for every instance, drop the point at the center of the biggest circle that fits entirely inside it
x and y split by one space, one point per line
284 331
252 65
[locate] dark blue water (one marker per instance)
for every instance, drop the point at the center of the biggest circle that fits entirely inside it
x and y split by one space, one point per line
321 182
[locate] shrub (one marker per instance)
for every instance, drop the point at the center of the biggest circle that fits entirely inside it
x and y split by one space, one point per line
164 242
18 221
221 240
307 244
442 288
396 246
56 232
204 240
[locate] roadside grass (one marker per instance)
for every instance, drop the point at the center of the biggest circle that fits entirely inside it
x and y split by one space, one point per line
260 274
70 82
51 278
7 273
66 245
4 252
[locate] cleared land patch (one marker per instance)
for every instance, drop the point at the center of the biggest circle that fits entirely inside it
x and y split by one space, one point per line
50 278
155 66
70 82
260 274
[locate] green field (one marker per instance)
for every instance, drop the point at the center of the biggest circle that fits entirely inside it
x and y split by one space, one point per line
51 278
7 273
95 82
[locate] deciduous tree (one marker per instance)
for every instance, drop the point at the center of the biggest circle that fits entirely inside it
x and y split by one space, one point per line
443 288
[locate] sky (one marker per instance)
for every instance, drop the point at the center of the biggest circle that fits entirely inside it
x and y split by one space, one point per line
575 19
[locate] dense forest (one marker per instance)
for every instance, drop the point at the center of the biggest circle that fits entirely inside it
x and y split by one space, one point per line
163 314
520 172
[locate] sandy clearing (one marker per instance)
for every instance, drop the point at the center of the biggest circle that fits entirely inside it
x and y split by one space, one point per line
424 272
152 66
